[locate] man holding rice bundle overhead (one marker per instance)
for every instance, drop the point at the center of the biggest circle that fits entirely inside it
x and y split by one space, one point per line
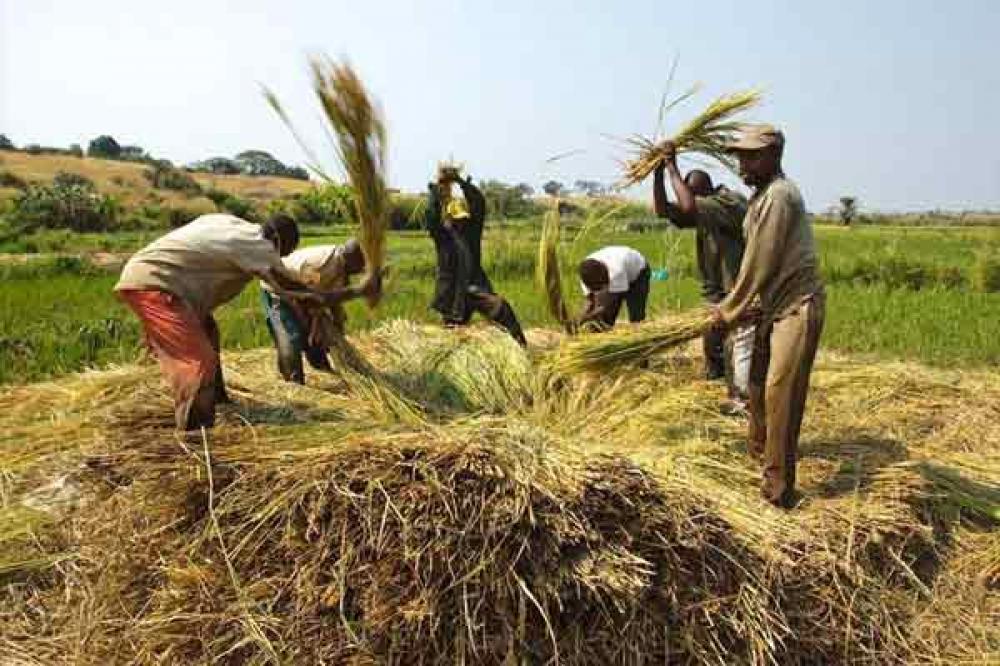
456 227
609 277
717 215
174 284
780 267
325 269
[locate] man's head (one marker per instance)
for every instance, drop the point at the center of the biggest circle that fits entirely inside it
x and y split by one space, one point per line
699 182
283 232
594 275
354 258
759 149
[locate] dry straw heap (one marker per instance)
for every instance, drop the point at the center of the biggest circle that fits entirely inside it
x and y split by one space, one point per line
547 271
496 513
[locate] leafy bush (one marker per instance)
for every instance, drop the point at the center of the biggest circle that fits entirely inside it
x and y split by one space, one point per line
75 149
986 274
325 204
6 144
104 146
9 179
232 204
165 176
64 205
65 179
406 211
509 201
217 165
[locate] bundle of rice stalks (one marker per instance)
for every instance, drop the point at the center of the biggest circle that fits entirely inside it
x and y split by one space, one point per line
709 133
629 345
358 127
547 275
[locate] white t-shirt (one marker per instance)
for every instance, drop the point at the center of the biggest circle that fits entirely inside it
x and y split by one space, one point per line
624 265
206 262
319 267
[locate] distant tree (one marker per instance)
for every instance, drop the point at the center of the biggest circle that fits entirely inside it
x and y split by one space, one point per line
524 190
553 188
34 149
503 200
848 209
217 165
259 163
104 146
6 144
591 188
133 154
76 150
298 173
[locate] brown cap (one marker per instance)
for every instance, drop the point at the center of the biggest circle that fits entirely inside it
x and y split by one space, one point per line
755 137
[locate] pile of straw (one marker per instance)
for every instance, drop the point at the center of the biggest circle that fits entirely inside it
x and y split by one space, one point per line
709 134
487 522
628 345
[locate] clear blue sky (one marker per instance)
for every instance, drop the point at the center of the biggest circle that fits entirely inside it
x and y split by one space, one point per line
894 101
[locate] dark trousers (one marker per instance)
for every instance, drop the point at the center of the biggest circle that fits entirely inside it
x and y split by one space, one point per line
783 356
634 299
291 339
495 308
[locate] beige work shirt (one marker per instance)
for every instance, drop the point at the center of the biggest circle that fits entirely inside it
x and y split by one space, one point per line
320 267
206 262
779 263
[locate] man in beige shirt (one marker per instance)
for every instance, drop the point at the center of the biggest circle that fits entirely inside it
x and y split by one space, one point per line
174 284
780 269
327 270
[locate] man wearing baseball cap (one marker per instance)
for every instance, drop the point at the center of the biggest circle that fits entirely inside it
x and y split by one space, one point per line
780 269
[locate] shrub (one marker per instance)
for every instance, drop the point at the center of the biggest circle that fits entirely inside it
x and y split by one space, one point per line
73 206
986 273
165 176
232 204
104 146
75 149
6 144
406 211
12 180
326 204
70 179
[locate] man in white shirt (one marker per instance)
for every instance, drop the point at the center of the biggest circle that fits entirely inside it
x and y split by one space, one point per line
326 270
609 277
174 284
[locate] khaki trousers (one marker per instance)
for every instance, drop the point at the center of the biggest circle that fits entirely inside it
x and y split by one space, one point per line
783 356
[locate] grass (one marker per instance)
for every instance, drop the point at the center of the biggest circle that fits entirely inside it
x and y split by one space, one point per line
59 319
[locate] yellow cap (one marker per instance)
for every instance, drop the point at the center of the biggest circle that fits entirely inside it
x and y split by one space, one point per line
456 210
755 137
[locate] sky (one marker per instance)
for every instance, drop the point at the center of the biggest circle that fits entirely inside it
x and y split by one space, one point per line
894 102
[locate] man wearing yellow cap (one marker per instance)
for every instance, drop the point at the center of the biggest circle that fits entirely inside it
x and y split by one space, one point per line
456 227
780 268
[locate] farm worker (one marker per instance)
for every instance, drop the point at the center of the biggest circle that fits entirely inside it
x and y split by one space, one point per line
717 215
609 277
174 284
326 270
456 226
780 268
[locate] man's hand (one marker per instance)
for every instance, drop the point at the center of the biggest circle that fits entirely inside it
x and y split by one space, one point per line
669 160
717 320
372 286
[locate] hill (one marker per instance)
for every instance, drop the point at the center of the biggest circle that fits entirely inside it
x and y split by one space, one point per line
127 183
